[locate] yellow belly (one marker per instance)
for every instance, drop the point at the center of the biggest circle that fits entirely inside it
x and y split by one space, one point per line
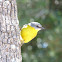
28 33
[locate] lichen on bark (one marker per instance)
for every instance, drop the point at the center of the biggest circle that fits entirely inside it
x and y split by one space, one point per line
10 49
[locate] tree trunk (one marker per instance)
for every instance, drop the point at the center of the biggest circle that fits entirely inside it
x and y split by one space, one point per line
10 49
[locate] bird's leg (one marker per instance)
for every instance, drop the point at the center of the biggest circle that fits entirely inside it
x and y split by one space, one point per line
22 42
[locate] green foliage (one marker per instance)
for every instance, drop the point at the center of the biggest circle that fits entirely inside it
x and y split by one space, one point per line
47 46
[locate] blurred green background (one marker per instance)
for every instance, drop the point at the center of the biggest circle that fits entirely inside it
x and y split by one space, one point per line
47 46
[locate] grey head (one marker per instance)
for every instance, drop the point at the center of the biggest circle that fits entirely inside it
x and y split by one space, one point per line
36 25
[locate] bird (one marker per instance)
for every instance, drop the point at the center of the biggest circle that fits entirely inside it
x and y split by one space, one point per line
29 31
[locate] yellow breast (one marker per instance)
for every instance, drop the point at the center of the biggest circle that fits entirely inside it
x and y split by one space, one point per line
28 33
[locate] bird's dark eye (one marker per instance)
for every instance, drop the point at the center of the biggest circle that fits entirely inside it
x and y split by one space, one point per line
37 26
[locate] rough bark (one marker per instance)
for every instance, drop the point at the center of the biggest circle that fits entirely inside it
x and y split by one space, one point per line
10 49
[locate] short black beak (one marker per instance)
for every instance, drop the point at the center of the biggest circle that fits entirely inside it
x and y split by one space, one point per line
42 28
